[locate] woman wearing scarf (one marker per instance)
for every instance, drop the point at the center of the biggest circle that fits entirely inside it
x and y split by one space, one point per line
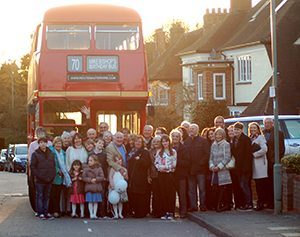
62 178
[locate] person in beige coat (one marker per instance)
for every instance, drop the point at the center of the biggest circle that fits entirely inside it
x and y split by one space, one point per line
116 150
220 156
260 163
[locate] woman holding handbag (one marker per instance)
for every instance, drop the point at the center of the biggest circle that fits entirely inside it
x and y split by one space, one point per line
220 156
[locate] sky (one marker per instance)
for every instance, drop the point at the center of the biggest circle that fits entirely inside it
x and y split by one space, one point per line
18 18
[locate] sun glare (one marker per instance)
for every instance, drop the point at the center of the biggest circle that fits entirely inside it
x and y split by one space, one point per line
19 18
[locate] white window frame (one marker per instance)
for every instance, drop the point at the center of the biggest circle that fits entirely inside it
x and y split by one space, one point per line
160 91
191 77
224 86
200 86
244 68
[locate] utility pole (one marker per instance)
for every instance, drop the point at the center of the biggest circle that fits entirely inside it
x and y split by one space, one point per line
277 165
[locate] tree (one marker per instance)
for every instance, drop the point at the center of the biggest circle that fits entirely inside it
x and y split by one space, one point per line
205 111
13 82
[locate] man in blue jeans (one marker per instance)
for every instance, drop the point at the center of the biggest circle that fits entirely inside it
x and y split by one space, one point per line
199 152
42 166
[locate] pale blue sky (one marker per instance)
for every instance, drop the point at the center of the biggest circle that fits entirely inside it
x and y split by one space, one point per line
18 18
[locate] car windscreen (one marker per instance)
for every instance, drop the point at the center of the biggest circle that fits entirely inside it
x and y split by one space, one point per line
293 128
21 150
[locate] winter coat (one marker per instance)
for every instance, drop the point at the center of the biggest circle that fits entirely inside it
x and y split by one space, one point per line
42 166
80 184
242 153
90 173
102 159
166 163
73 153
220 156
260 162
138 172
269 136
152 172
112 152
199 152
183 162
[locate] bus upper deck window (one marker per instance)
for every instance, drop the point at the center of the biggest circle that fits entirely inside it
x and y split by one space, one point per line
68 36
117 37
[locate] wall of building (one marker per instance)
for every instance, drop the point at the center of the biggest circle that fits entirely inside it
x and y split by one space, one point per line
245 92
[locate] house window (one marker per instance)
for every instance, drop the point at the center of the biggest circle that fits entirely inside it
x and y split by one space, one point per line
160 95
200 87
219 86
244 68
163 97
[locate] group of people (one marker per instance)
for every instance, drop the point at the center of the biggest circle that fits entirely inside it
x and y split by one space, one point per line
100 173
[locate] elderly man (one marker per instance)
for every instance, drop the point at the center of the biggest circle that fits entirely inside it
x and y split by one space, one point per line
91 134
103 127
148 135
115 150
269 135
199 152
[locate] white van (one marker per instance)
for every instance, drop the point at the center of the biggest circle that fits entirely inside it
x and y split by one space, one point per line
288 124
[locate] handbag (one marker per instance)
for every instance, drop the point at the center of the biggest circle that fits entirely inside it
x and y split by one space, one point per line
231 164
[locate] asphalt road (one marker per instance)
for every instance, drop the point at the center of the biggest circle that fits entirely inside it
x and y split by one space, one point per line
17 219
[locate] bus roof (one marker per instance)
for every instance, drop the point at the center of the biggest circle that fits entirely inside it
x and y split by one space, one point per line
91 13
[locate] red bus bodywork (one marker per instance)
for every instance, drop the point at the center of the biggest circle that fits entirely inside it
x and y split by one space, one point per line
48 74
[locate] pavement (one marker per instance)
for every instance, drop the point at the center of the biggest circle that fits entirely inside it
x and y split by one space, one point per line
248 224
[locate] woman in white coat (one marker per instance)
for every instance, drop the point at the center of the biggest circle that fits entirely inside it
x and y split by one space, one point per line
260 163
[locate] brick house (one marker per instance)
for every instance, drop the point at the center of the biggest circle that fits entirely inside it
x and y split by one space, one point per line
233 60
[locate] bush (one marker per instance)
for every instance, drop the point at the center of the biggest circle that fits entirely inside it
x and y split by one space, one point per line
205 112
292 162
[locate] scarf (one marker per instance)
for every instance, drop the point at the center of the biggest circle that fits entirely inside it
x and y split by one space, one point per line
62 165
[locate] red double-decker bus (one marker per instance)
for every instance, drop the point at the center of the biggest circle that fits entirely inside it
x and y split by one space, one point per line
87 55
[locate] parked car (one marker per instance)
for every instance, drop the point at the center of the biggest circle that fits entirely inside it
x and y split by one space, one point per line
288 124
17 158
2 159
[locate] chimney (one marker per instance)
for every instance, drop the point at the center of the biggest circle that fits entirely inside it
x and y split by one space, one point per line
213 17
160 41
240 5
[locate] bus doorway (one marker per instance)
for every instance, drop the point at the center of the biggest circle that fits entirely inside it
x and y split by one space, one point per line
120 119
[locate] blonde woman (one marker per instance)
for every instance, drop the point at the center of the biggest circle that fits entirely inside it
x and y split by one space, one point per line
260 163
220 155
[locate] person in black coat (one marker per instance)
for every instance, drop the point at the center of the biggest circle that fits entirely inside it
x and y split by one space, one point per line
139 162
269 135
42 167
199 152
181 171
242 152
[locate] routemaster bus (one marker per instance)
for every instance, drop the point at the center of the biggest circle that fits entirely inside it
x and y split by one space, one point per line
92 56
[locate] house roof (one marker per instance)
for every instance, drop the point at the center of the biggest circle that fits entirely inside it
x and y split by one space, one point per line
167 66
238 29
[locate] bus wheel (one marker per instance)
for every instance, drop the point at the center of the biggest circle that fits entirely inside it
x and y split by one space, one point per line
31 193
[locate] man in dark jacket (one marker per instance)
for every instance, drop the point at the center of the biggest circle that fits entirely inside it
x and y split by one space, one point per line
269 135
199 152
42 168
243 164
